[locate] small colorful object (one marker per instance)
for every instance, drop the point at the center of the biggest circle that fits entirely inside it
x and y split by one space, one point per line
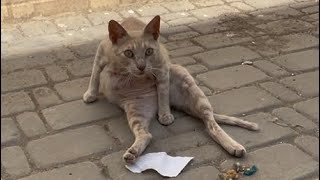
251 171
237 170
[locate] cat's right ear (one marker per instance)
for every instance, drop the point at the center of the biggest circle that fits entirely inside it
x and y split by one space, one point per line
116 31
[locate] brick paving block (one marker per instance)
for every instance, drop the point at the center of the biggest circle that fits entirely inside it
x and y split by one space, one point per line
203 173
299 61
175 15
175 30
183 35
10 34
14 161
182 21
307 84
98 18
242 6
9 131
72 22
78 38
267 3
214 11
303 4
205 3
196 68
309 107
275 13
15 102
210 26
116 169
221 39
22 79
36 28
309 144
129 13
226 56
31 124
56 73
203 154
293 119
181 141
312 9
277 162
183 60
242 100
45 97
69 145
206 90
81 67
281 92
186 124
231 77
64 53
270 131
270 68
176 6
77 112
83 170
298 41
151 10
178 44
185 51
86 50
285 26
72 90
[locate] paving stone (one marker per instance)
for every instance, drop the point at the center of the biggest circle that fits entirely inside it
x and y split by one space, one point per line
309 107
221 39
22 79
299 61
69 145
309 144
183 61
267 3
279 91
72 90
56 73
212 12
14 161
86 50
231 77
210 26
302 4
181 141
175 30
205 3
46 97
64 53
226 56
175 15
186 124
83 170
242 6
302 83
98 18
10 34
9 131
183 35
272 14
204 173
176 6
312 9
178 44
31 124
206 90
298 41
293 119
276 162
285 26
77 112
129 13
81 67
196 68
270 68
117 171
35 28
185 51
72 22
182 21
152 10
81 38
15 102
242 100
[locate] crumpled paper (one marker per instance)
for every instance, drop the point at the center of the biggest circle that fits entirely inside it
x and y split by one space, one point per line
164 164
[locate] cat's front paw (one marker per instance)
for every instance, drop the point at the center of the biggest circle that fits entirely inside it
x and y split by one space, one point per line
130 155
89 97
166 119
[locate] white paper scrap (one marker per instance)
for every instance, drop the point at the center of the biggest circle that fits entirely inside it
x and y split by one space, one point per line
164 164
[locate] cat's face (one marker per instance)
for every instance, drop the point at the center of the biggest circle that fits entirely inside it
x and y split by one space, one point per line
137 53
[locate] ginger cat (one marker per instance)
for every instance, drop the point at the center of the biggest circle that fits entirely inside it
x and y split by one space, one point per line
132 69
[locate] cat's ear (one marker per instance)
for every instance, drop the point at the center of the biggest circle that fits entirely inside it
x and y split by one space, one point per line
116 31
153 27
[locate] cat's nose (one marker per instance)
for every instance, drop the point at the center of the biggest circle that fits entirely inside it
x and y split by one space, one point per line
141 67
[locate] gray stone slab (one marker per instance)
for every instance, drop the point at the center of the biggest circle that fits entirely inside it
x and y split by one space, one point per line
309 107
14 161
15 102
9 131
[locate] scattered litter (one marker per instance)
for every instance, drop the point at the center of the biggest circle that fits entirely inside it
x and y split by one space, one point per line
131 11
183 14
205 15
247 63
237 171
230 34
293 74
260 15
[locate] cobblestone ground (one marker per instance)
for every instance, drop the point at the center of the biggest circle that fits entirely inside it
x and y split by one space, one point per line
47 132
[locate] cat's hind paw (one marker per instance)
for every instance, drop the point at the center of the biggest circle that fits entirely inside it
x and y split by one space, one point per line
166 119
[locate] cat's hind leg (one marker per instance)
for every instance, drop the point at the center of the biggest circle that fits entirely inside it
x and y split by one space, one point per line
234 121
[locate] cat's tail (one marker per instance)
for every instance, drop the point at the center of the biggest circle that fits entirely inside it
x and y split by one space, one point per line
224 119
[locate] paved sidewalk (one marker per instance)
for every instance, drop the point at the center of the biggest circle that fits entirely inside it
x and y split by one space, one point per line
48 133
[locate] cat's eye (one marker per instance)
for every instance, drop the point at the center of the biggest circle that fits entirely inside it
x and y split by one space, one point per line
128 53
149 52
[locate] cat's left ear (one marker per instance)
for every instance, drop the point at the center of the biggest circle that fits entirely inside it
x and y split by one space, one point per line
153 27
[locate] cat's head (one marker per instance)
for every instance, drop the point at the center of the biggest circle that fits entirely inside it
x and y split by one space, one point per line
137 50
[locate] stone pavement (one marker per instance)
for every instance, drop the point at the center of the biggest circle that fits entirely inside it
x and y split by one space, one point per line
47 132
